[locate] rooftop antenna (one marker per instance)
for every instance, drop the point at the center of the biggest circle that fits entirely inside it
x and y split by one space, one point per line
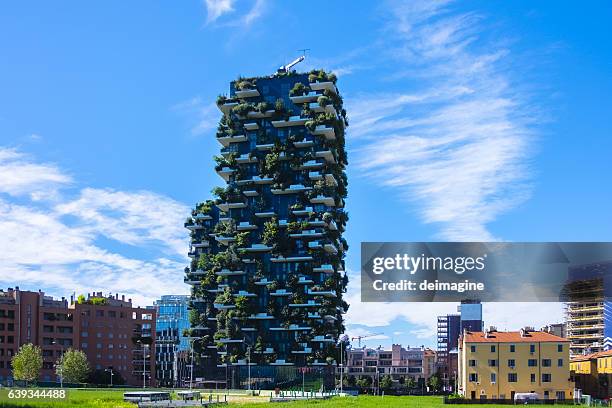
286 68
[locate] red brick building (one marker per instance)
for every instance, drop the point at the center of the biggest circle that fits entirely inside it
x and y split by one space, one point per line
110 331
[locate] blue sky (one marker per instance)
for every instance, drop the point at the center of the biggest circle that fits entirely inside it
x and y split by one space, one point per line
477 120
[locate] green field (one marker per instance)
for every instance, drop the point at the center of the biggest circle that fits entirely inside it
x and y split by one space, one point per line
113 399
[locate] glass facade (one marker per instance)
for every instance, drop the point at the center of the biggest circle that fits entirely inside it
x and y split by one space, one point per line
172 322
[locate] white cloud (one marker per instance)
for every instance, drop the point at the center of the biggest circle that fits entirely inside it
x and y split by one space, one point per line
216 8
57 245
458 145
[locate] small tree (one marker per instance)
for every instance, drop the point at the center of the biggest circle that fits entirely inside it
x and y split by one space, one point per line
27 363
386 383
410 383
73 366
434 383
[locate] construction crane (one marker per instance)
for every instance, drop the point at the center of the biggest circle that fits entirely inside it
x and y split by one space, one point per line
286 68
364 337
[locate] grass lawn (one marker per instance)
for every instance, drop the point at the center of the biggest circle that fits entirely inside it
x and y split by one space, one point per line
114 399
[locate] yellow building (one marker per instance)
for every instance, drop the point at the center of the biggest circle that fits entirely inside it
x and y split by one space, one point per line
496 365
593 374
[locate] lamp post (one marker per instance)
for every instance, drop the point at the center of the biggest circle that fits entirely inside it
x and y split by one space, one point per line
193 340
61 365
144 363
249 366
110 371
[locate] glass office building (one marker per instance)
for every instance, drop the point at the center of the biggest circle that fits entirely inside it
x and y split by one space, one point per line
172 322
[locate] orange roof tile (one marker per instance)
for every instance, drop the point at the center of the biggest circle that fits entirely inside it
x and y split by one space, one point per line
592 356
512 337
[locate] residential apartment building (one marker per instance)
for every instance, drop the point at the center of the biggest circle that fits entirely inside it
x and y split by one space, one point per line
450 328
415 362
558 329
107 329
114 334
588 313
172 321
592 374
267 270
33 317
496 365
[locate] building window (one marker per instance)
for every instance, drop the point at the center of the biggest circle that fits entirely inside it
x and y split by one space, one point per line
532 348
560 395
99 313
492 363
560 350
533 378
532 362
512 377
512 348
473 377
472 363
560 362
493 349
546 378
493 378
546 362
511 363
473 349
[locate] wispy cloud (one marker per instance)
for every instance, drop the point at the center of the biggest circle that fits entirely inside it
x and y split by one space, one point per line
88 242
216 9
203 117
457 144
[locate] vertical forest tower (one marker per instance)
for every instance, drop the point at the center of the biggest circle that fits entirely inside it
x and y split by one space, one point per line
267 269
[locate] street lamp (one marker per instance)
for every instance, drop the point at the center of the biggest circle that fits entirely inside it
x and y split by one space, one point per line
61 365
249 366
110 370
144 362
193 340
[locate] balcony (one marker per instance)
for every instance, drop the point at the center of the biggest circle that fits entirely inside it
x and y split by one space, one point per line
265 214
326 293
246 158
202 244
319 363
261 316
293 189
308 234
247 93
305 350
328 155
227 272
314 245
221 306
226 108
325 268
203 217
245 294
291 327
310 303
195 226
330 248
322 339
223 240
305 211
309 97
226 140
315 107
225 173
191 281
262 180
225 207
281 292
305 281
245 226
263 282
292 259
250 193
323 130
322 86
229 341
320 199
313 315
257 248
260 115
310 164
251 126
303 144
264 146
292 121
